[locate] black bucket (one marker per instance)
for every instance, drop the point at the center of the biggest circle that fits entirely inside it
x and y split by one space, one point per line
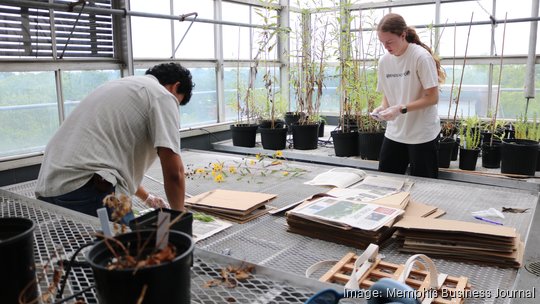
370 144
345 144
169 282
455 150
446 147
273 139
292 118
305 137
518 156
17 270
244 135
321 128
491 155
150 221
468 158
538 160
267 123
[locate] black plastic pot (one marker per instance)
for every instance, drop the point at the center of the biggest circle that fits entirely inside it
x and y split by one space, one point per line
538 160
244 135
278 123
274 139
150 221
168 282
491 155
292 118
455 150
468 158
370 144
446 148
518 156
345 144
321 128
305 137
17 270
485 137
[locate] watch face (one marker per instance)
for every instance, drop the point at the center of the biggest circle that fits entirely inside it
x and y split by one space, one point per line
404 110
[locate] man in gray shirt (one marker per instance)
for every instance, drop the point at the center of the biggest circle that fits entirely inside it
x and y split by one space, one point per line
111 139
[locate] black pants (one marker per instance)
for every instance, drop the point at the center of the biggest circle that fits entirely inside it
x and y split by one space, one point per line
395 157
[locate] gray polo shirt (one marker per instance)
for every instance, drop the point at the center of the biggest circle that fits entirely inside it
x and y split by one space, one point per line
113 132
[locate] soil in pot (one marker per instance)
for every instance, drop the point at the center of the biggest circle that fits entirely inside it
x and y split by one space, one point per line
345 144
244 135
167 282
17 270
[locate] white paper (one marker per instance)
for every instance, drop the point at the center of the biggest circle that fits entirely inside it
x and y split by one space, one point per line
203 230
372 187
341 177
359 215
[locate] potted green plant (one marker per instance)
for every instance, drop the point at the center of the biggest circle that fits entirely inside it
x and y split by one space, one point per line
365 97
469 133
519 155
244 130
345 137
270 104
307 78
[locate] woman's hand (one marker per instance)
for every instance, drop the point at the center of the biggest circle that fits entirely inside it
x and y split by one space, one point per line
391 112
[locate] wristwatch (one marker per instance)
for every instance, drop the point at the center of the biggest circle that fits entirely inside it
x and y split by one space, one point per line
403 109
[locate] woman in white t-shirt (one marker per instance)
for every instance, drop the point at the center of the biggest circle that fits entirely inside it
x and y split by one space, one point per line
409 77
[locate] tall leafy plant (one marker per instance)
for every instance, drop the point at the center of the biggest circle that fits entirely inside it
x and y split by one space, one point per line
307 73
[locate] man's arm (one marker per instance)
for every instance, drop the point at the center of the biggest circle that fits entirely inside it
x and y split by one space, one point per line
173 177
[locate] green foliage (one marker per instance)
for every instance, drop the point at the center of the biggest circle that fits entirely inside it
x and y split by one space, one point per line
469 133
520 126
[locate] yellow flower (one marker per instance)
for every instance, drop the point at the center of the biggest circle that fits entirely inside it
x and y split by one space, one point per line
218 178
252 162
200 171
279 153
232 169
217 167
214 173
258 156
285 173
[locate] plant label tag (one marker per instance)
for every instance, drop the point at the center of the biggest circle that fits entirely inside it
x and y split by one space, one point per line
162 234
104 220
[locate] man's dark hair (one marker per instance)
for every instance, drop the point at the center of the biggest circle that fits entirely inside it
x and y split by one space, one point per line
171 73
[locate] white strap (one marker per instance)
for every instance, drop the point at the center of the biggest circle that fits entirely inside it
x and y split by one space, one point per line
362 264
313 268
433 274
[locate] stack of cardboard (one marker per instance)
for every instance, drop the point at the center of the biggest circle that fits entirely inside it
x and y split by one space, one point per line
236 206
345 234
464 241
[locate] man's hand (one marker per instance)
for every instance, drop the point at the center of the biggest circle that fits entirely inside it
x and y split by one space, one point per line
390 113
156 202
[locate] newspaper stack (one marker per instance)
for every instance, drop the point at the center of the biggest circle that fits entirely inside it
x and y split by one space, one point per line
463 241
348 222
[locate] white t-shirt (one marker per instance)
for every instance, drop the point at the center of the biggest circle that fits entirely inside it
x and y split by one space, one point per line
402 79
114 132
